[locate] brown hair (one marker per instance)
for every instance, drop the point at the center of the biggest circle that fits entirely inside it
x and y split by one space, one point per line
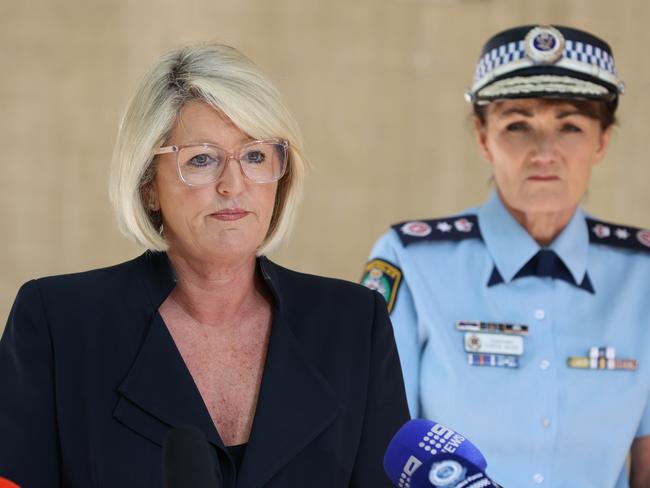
600 110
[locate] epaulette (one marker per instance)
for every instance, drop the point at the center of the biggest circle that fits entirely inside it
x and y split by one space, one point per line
618 235
455 228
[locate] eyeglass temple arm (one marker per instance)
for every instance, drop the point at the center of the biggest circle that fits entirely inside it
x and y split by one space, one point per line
165 150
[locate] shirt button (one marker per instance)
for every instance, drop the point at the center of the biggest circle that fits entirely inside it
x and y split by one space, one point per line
544 364
538 478
540 314
546 422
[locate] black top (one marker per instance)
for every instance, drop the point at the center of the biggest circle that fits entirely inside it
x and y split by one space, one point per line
92 382
237 454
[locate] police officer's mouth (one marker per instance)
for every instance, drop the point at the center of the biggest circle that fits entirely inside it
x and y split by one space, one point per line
544 178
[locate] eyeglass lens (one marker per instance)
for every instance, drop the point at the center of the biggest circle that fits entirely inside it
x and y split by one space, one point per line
262 162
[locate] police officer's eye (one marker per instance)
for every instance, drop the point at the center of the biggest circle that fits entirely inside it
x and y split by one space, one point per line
517 127
570 128
254 157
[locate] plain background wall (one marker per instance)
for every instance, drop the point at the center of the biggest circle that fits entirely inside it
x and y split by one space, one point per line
376 85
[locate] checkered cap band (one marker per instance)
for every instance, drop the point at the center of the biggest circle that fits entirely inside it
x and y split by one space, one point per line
574 50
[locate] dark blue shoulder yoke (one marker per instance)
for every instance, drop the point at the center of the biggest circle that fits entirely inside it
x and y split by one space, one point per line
616 235
456 228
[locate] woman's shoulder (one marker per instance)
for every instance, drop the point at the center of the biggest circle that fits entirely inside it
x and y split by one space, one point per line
106 288
314 290
102 277
292 278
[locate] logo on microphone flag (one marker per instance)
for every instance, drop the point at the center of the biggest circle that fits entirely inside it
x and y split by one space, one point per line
450 471
421 440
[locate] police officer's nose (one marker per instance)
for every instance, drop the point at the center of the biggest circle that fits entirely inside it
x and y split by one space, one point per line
544 148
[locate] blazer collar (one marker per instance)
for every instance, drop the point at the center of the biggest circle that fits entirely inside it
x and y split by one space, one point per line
295 401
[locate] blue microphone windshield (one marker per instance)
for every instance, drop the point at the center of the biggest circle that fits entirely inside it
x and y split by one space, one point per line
418 441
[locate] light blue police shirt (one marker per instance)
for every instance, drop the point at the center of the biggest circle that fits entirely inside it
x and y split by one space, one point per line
543 423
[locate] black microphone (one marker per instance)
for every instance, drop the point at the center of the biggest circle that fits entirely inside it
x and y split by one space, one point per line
187 462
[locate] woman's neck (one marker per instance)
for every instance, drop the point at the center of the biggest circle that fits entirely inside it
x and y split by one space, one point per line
544 227
213 292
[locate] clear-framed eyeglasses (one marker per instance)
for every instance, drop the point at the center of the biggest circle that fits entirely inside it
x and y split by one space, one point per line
263 161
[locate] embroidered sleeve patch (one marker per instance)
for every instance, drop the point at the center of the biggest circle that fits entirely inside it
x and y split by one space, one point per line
384 277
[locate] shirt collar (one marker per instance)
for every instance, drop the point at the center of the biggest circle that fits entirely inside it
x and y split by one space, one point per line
511 246
572 245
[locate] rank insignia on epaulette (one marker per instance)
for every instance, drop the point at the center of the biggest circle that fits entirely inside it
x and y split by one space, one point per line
463 225
618 235
448 229
643 236
384 277
416 229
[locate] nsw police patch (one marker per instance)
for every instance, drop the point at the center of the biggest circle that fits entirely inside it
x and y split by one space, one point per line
384 277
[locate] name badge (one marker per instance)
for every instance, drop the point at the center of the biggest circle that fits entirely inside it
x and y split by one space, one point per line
494 343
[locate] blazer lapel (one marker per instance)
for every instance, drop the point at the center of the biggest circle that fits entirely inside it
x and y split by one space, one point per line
295 403
159 393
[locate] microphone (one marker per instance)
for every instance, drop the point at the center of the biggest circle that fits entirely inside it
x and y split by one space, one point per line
437 454
187 462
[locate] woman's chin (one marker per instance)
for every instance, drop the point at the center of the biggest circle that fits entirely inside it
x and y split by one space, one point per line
547 202
232 244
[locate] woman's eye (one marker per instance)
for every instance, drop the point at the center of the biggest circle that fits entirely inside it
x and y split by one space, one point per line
570 128
517 127
201 160
255 157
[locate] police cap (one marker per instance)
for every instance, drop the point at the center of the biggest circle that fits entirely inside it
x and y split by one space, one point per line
545 61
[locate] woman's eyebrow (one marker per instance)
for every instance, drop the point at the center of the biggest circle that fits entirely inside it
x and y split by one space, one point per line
568 112
516 111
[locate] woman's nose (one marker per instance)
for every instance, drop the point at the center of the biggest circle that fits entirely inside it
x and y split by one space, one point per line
232 179
544 150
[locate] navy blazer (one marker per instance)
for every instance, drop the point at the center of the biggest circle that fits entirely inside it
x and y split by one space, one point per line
92 381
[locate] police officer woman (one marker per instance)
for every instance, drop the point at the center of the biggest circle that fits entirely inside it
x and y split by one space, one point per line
524 323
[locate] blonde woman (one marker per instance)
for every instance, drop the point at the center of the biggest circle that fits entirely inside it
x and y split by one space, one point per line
293 379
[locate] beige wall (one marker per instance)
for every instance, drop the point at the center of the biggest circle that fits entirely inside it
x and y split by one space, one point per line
376 85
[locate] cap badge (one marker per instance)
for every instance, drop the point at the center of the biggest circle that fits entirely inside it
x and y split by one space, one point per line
544 44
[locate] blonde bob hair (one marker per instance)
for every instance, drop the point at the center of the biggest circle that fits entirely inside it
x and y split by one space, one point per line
224 78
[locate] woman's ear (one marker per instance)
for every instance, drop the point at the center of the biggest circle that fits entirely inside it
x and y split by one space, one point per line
481 138
150 197
603 144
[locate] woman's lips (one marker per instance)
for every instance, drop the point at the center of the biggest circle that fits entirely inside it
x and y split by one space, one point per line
543 178
229 214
